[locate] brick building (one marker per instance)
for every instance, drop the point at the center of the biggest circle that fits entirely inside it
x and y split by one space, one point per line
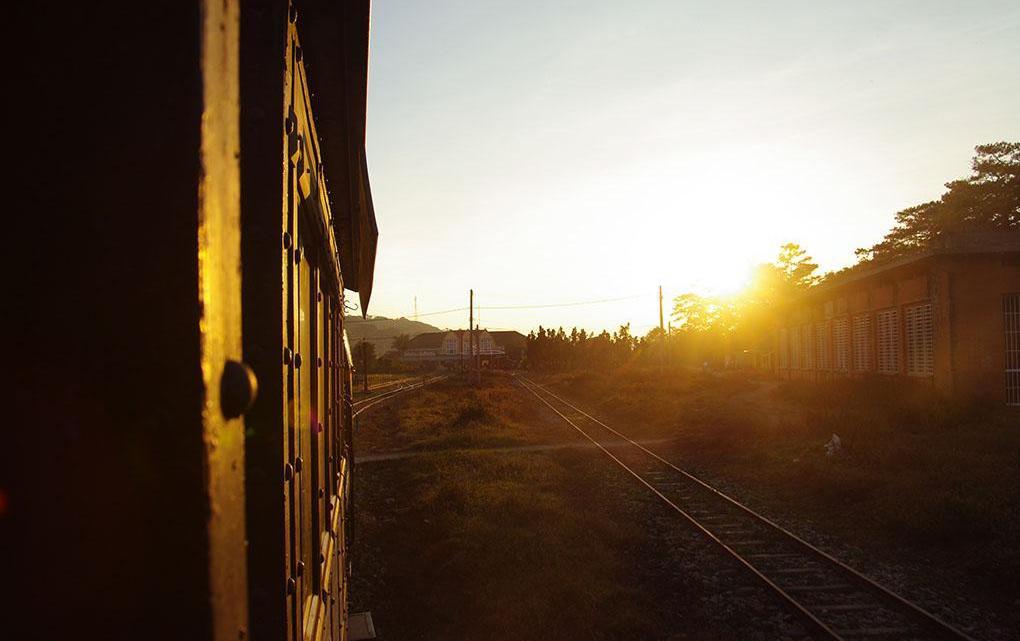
949 316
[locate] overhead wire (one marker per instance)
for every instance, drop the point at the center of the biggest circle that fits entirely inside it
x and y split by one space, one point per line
534 306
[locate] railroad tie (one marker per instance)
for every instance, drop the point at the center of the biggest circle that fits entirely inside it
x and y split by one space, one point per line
795 570
830 587
873 632
846 607
746 543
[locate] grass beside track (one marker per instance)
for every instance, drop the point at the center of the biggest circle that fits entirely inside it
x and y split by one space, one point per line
917 478
461 544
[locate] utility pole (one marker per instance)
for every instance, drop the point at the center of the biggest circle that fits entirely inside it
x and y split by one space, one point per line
478 347
662 329
415 308
471 336
364 362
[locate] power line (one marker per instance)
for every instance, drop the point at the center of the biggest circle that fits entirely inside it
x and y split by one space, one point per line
445 311
574 304
541 306
509 307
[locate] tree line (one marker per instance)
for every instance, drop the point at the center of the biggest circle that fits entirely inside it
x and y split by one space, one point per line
725 330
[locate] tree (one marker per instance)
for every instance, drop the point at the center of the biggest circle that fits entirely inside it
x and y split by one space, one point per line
364 352
401 343
988 200
695 313
795 267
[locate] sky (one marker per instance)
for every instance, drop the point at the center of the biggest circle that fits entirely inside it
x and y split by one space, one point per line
547 153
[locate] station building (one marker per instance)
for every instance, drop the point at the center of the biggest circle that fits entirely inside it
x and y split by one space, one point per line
949 317
452 347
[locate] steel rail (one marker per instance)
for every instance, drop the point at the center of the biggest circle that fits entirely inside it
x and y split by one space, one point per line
927 618
790 601
368 403
372 397
391 383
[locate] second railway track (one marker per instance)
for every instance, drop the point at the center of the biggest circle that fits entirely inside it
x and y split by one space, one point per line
833 599
371 401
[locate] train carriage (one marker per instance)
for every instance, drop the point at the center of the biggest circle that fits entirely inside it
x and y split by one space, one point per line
214 217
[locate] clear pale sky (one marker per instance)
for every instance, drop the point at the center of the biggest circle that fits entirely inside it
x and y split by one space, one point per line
555 152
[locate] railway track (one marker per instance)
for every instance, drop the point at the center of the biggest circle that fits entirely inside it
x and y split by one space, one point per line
834 600
385 384
370 402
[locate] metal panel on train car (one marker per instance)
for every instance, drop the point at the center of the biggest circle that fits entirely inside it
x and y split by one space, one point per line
317 609
302 426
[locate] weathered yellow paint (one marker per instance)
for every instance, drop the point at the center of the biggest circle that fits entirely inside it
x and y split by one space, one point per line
219 273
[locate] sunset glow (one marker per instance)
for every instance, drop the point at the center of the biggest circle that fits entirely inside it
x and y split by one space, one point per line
574 153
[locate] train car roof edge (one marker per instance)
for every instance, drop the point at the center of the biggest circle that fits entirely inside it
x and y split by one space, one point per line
335 39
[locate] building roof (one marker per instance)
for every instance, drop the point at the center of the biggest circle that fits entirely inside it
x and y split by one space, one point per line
428 340
433 340
994 242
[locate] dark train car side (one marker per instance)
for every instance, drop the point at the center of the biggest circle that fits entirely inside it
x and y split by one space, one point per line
323 241
193 196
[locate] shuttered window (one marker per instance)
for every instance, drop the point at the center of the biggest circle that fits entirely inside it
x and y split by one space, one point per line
888 334
1011 325
841 344
795 348
807 348
784 345
822 346
920 333
862 343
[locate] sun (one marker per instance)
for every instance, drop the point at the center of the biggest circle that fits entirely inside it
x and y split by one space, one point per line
720 278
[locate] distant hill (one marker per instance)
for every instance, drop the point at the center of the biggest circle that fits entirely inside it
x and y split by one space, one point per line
380 331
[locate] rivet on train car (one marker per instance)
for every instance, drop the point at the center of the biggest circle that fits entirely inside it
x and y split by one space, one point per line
318 361
297 360
288 472
297 255
288 356
300 568
298 464
318 297
286 240
321 492
291 585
